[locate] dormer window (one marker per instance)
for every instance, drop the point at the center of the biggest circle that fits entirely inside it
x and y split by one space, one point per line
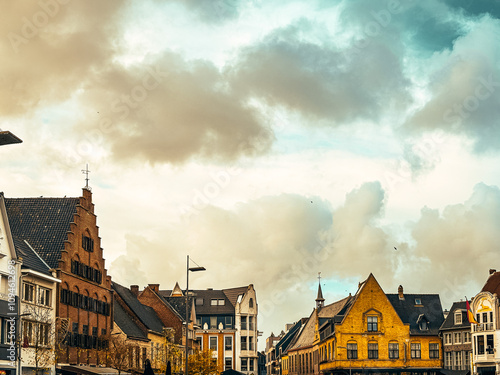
423 323
458 317
418 301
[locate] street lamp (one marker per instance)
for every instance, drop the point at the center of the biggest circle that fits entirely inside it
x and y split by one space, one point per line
347 354
192 269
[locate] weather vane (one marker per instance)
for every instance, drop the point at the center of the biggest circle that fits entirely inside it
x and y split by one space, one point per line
86 172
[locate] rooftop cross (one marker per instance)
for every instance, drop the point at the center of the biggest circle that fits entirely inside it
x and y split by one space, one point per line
86 172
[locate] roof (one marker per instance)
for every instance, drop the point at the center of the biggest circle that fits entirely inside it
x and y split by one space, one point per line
492 284
233 293
410 312
289 336
145 314
307 334
449 322
126 323
31 260
43 222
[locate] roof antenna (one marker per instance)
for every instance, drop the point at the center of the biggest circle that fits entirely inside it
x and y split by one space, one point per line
86 172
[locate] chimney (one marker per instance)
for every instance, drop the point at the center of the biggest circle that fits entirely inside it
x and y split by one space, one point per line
400 292
134 289
155 287
492 271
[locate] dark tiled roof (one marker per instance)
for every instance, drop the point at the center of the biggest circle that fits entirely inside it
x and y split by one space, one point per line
449 322
43 222
287 339
492 284
178 304
410 313
145 314
31 259
206 309
126 323
233 293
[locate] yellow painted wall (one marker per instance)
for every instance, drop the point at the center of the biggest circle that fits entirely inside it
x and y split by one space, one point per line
284 365
372 301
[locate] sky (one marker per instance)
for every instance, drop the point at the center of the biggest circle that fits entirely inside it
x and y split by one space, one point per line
268 140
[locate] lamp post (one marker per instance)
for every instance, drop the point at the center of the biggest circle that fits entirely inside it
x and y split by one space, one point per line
347 352
192 269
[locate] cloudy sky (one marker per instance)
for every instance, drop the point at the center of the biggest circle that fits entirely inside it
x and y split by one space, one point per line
268 140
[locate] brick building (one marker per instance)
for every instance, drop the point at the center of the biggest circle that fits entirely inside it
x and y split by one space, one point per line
64 232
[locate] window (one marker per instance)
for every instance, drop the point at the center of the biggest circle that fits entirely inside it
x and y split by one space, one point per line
434 351
87 243
250 323
94 331
415 350
85 329
448 361
418 301
213 302
250 303
228 363
489 344
466 337
250 364
28 292
393 350
457 338
213 343
44 296
447 338
480 344
372 350
458 317
75 327
250 343
199 301
213 322
228 343
228 322
243 322
423 325
244 364
457 363
243 343
372 323
103 331
221 302
352 350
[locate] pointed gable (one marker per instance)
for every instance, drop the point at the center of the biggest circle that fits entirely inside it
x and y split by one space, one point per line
177 291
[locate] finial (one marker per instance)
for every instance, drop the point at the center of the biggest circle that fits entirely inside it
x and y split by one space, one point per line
86 172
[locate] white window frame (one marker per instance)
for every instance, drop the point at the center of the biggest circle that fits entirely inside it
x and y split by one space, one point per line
216 343
458 317
33 288
44 296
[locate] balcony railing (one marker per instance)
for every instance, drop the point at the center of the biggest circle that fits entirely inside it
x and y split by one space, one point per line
481 327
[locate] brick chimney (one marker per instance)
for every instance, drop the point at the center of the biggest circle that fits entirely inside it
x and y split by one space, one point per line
400 292
155 287
134 289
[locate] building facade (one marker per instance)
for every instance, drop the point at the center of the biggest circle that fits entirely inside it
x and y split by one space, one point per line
486 332
64 232
456 335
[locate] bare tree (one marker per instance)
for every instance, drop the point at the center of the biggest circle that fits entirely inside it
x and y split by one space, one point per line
38 337
118 354
174 353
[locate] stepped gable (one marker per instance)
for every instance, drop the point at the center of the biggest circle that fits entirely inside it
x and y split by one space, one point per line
411 312
145 314
43 222
127 324
31 260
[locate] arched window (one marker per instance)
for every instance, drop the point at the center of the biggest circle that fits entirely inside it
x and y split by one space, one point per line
250 303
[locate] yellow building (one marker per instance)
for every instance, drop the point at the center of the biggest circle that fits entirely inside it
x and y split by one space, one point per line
382 333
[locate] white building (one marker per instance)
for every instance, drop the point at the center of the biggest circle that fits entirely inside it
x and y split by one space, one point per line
486 333
9 290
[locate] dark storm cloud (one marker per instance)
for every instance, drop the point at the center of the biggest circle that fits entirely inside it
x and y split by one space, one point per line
476 7
49 47
170 110
319 79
